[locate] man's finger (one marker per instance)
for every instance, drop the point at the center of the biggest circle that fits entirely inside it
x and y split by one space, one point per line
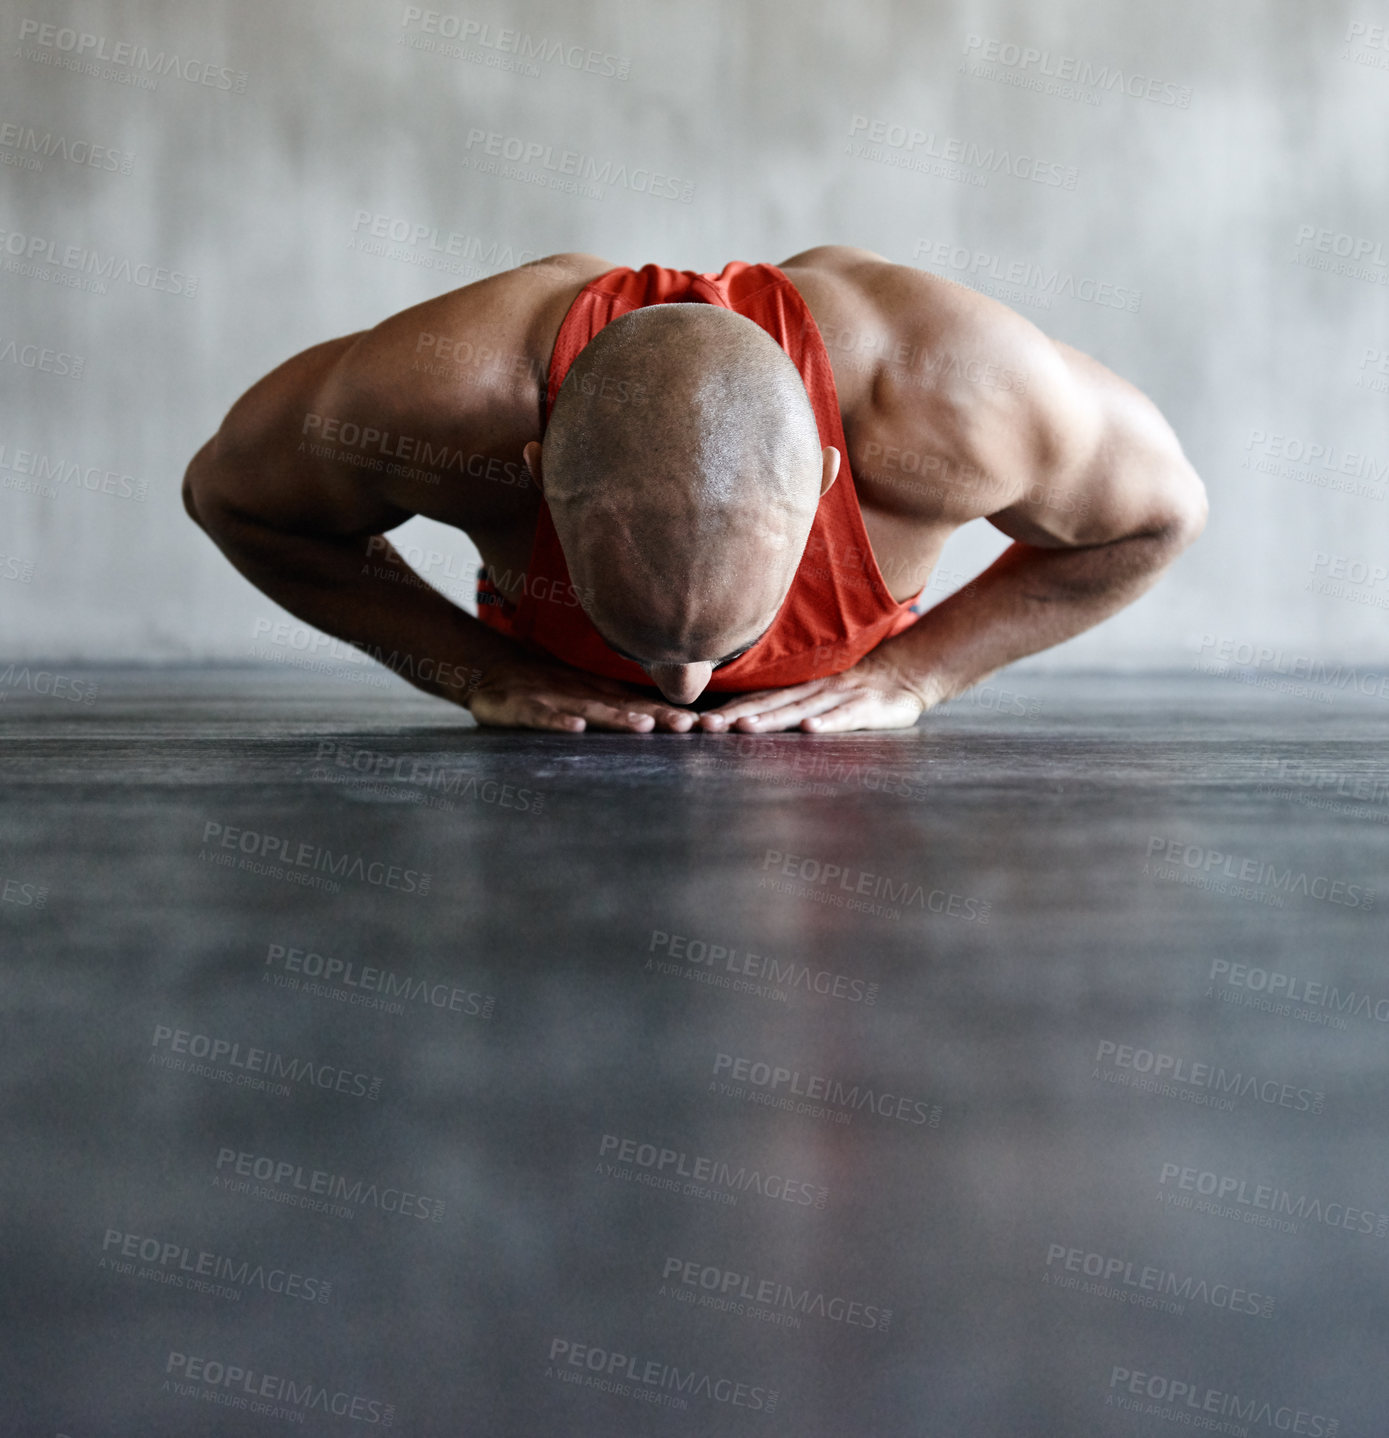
602 715
624 695
865 711
668 718
557 711
781 716
764 700
537 714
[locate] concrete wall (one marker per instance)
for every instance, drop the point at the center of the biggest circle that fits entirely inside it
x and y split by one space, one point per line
1177 257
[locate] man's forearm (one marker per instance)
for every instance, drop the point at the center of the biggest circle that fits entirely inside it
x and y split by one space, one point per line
1028 600
376 603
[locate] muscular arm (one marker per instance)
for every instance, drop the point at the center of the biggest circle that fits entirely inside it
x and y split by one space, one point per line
305 523
1072 463
299 527
1103 500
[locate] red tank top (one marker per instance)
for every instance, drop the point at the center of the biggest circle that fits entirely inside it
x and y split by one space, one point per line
838 607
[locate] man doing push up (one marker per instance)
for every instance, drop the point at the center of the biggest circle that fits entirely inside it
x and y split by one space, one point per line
691 488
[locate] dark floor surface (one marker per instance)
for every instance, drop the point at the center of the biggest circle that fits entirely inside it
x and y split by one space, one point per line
1010 1076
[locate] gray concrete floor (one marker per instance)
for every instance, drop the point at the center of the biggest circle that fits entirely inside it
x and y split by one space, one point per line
785 1085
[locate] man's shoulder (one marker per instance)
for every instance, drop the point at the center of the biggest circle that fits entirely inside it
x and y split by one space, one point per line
485 344
404 417
928 368
906 329
956 406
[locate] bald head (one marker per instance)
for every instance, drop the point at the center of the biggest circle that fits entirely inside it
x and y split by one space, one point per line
682 465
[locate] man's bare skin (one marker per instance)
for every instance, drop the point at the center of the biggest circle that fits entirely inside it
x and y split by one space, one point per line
954 408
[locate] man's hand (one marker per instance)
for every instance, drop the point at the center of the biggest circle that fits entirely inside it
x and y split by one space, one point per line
874 694
528 693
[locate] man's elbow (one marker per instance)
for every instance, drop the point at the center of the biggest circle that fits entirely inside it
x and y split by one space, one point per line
195 484
190 500
1183 512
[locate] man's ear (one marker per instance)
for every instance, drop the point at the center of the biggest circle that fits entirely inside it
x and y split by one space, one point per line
830 459
531 455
